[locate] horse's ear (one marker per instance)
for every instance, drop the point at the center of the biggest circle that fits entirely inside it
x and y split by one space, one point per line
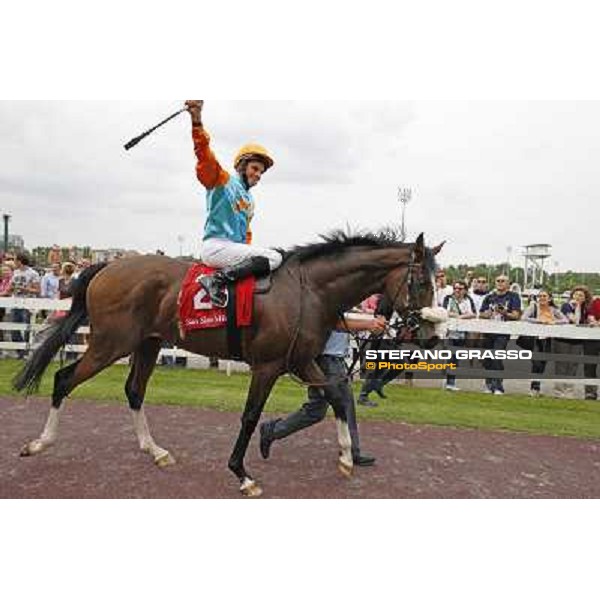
420 249
438 249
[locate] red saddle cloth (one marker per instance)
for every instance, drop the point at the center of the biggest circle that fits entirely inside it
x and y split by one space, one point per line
196 310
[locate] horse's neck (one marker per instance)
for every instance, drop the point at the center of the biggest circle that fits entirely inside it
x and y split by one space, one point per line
346 281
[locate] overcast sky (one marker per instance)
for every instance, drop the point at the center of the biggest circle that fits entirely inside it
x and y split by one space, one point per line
485 175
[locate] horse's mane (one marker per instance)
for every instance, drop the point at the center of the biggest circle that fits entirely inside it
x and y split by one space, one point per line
339 241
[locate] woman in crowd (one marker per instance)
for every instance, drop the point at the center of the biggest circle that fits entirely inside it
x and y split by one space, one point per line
67 276
576 311
591 348
66 280
5 280
459 306
543 312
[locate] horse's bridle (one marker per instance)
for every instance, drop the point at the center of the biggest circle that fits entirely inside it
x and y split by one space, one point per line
410 315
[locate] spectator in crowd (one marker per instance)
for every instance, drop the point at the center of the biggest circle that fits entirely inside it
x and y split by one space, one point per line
469 277
442 289
479 290
591 348
5 281
10 264
82 265
50 283
25 283
375 381
369 306
54 255
459 305
67 275
576 311
500 305
543 312
65 283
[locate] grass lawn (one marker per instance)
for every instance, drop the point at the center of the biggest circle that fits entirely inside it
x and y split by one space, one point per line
215 390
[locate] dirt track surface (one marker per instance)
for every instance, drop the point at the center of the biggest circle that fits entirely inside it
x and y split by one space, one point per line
97 457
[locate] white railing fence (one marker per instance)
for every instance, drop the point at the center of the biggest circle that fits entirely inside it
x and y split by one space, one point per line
37 305
31 329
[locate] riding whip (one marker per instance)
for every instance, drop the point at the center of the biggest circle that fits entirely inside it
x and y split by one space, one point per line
136 140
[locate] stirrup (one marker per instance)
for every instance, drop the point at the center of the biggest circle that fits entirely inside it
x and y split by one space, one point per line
218 293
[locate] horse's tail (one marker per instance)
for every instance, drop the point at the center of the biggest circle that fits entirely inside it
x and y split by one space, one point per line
57 334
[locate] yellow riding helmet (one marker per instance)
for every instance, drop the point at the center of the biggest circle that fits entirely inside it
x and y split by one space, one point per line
254 151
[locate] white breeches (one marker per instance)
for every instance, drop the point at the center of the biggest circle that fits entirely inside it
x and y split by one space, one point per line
223 253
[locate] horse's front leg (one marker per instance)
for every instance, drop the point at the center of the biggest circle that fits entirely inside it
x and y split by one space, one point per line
263 380
313 374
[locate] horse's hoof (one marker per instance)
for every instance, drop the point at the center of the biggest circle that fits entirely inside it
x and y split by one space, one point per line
164 461
32 448
250 489
345 470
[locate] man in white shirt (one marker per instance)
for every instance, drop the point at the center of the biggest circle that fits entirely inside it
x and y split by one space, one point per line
460 305
25 283
479 291
442 289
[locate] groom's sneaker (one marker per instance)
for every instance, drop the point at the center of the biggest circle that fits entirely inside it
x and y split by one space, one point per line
364 460
266 438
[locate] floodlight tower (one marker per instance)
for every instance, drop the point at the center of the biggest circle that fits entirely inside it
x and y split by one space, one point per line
6 220
509 250
404 197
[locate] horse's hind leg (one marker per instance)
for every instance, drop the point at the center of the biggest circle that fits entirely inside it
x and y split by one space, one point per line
50 432
144 361
96 359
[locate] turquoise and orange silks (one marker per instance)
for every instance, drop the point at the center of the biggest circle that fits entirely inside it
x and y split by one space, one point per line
230 206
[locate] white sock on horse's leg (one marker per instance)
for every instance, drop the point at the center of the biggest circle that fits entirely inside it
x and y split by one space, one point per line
48 437
145 440
345 442
50 433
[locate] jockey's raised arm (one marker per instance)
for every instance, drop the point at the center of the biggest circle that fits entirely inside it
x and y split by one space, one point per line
230 209
208 170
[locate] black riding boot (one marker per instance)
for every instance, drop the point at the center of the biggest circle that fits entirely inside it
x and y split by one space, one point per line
216 284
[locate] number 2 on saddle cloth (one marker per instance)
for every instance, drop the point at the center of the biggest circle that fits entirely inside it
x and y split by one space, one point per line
196 311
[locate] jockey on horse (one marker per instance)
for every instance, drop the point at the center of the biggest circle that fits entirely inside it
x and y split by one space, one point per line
227 234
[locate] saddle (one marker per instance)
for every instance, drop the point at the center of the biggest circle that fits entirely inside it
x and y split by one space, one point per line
196 311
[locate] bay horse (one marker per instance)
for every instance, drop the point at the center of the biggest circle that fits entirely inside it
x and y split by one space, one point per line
132 306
